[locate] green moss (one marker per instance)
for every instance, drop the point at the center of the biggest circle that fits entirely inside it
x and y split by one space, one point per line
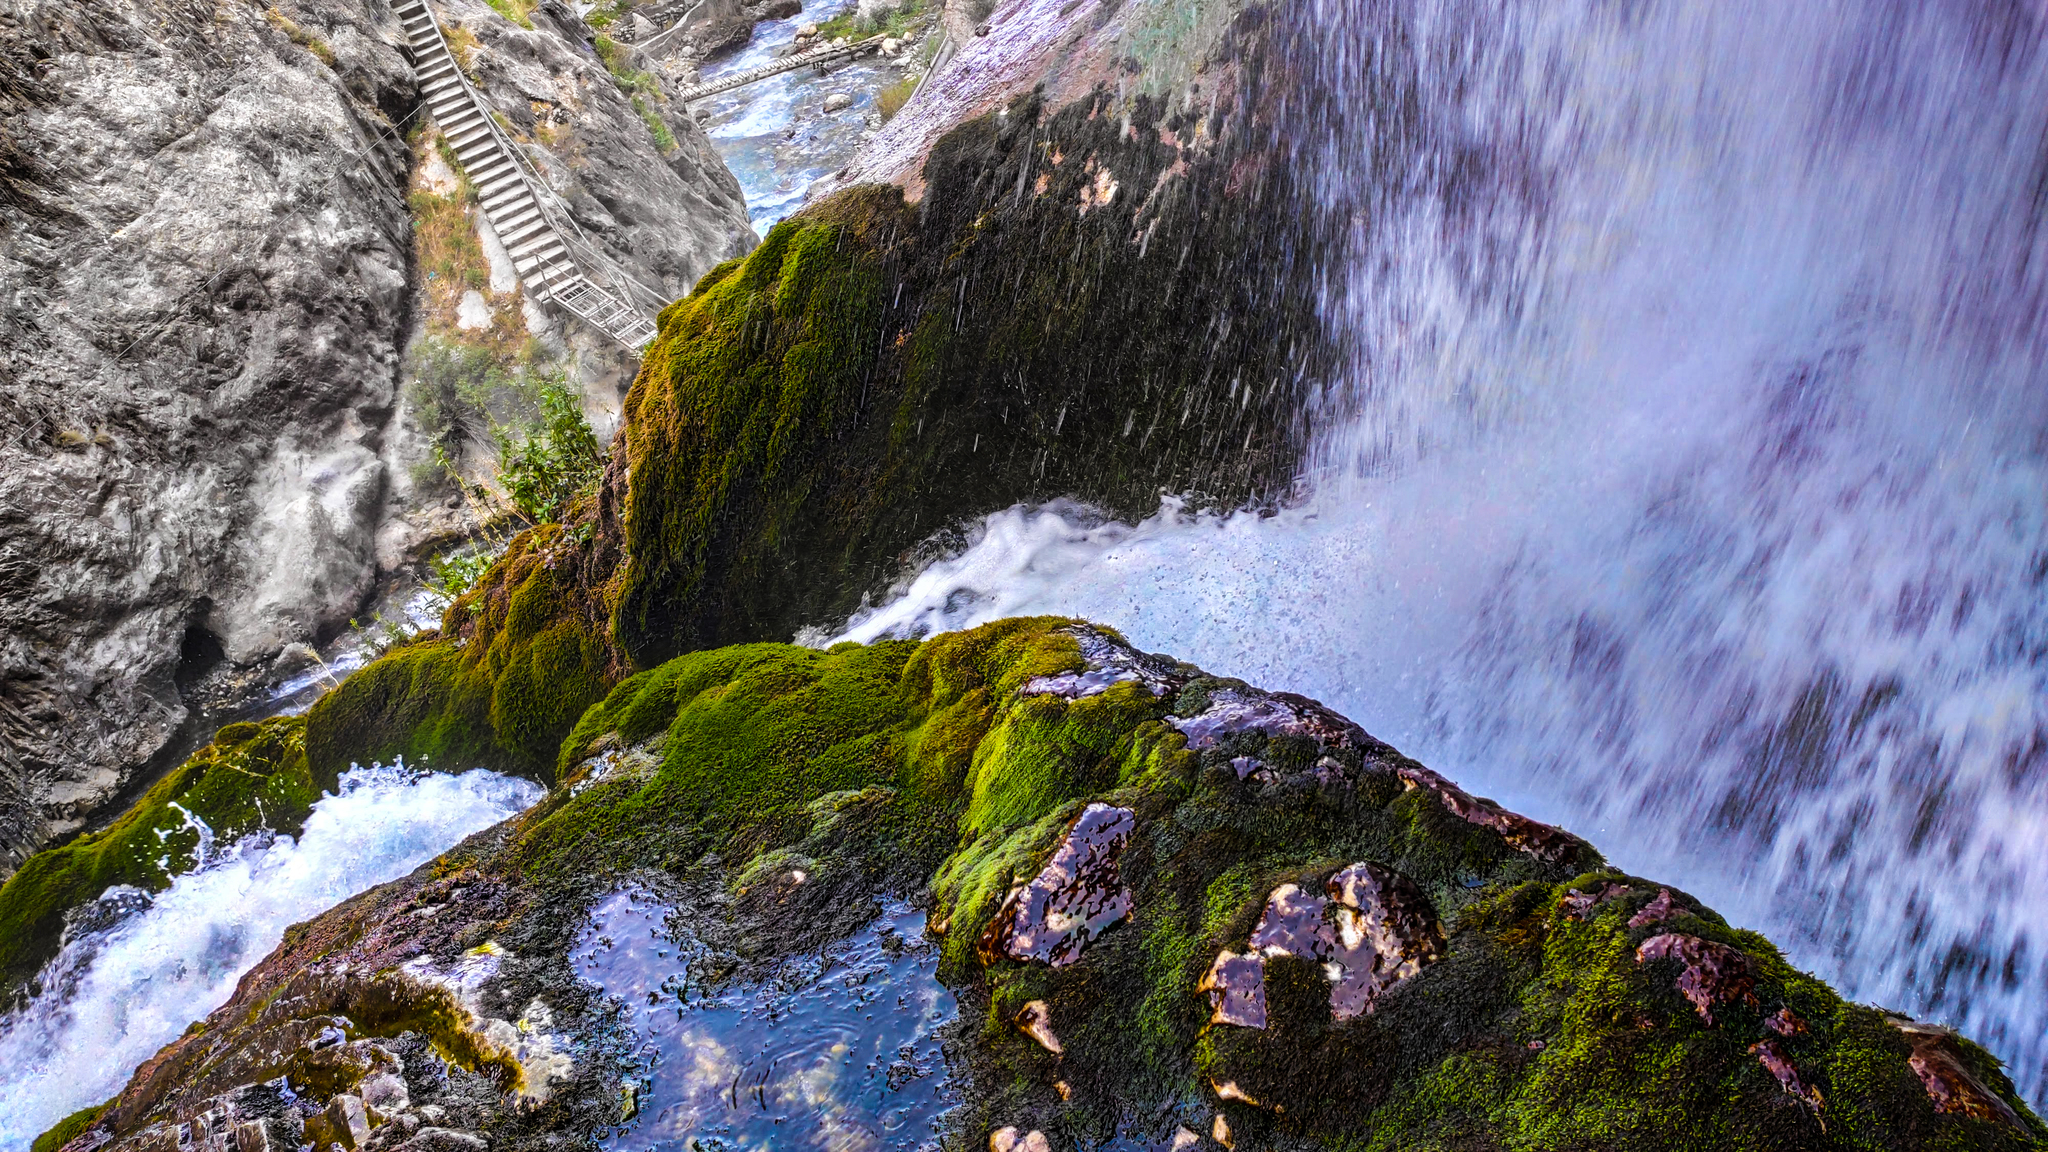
752 735
67 1129
872 374
730 428
251 776
518 659
918 768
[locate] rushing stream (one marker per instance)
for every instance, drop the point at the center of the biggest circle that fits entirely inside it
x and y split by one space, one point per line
146 967
774 134
1687 486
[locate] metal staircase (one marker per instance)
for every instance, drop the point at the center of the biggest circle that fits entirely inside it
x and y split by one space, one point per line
551 259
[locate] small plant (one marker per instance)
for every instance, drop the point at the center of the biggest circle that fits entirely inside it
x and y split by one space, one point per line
379 635
300 36
900 24
457 572
891 100
450 392
640 87
663 138
517 11
462 43
560 459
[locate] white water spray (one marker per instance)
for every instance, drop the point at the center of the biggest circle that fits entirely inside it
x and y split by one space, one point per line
115 995
1688 482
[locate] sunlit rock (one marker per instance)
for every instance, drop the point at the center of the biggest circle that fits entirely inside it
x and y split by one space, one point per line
1663 908
1108 663
1233 710
1713 973
1579 905
1938 1060
1036 1022
1373 931
1772 1056
1228 1090
1530 837
1074 899
1385 932
1010 1139
342 1122
1786 1022
385 1093
1237 989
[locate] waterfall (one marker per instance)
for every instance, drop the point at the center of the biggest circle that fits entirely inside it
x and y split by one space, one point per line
1688 483
136 969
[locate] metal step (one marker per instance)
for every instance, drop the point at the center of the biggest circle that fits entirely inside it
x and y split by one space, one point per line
506 193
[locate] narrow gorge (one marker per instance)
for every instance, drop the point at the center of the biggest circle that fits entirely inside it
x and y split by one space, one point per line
920 698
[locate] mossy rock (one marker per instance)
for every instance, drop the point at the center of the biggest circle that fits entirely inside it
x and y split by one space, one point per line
787 788
252 776
516 661
67 1129
1081 305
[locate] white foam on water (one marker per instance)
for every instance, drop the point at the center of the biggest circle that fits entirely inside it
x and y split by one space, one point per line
1689 482
115 996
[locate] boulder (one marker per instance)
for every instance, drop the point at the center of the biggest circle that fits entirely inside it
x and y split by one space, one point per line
1075 898
344 1121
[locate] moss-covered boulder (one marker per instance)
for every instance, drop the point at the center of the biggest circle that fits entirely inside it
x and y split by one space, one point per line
251 777
517 659
1106 300
1175 911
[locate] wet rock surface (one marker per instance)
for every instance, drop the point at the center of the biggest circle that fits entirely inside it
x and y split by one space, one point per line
1373 930
1943 1068
1713 974
1075 898
206 248
837 1049
1553 845
799 907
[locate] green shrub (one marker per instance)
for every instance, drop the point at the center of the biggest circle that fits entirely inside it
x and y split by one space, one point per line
555 459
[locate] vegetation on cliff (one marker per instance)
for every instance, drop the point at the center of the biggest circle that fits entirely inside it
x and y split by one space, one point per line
1102 301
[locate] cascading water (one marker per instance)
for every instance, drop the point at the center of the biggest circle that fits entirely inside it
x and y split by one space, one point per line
1689 482
138 969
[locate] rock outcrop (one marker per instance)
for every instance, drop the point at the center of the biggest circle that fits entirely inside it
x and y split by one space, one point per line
1423 979
206 253
1106 301
208 249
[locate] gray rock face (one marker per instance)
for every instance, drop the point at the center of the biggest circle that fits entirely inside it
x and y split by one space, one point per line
206 251
667 214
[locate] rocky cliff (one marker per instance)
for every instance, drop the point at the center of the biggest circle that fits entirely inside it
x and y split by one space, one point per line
205 232
1159 909
1021 888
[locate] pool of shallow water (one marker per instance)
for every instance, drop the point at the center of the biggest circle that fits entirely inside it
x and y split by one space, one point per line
835 1050
774 134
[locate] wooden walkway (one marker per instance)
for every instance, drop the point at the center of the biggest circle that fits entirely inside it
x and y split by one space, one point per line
814 57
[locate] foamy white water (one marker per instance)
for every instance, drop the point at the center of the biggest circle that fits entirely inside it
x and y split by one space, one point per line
116 995
1687 486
